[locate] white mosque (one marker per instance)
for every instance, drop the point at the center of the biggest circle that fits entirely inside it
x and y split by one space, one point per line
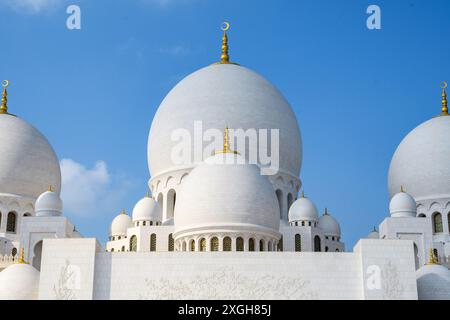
215 227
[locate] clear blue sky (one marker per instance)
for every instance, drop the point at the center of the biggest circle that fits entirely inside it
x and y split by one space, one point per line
356 92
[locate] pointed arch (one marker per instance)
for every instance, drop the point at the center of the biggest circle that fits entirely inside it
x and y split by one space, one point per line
11 222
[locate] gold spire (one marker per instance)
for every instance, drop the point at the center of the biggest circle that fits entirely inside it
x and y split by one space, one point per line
444 100
226 144
303 194
123 211
4 107
148 194
50 189
22 256
432 258
402 190
326 212
225 57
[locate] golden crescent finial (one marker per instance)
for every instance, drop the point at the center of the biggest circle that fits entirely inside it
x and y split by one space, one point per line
443 85
225 26
5 83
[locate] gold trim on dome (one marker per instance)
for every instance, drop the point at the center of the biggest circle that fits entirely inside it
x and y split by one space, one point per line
226 144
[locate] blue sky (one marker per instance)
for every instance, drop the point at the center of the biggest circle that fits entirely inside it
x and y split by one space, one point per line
356 92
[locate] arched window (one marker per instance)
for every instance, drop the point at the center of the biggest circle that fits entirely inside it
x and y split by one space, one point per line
11 222
14 252
192 245
171 199
112 249
337 250
251 244
317 244
422 215
269 246
448 220
184 245
289 201
214 244
133 244
202 244
437 222
37 254
153 242
416 256
227 244
326 249
298 243
279 194
171 242
160 201
123 248
261 245
27 214
239 244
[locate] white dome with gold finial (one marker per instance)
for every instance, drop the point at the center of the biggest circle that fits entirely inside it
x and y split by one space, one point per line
223 94
19 281
421 162
28 163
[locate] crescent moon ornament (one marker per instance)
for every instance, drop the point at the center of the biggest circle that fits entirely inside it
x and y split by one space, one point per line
443 85
225 26
5 83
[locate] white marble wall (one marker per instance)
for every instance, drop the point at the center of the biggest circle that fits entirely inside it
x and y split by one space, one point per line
227 275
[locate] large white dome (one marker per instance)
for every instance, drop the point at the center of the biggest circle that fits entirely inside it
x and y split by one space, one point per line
19 282
221 195
48 204
329 225
28 163
223 95
421 162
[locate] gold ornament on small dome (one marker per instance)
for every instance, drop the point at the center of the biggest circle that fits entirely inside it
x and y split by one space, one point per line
226 144
123 211
444 99
22 256
432 259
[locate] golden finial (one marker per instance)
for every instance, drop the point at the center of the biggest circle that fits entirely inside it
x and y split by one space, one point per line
123 211
375 229
432 258
444 99
148 194
50 189
4 107
303 194
226 144
402 190
326 212
225 58
22 256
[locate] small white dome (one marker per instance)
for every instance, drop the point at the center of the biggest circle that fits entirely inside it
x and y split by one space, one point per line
433 282
329 225
48 204
19 281
120 224
29 165
374 234
147 209
303 209
222 194
402 205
